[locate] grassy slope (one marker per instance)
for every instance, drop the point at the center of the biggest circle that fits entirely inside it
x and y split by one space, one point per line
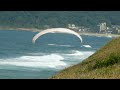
105 63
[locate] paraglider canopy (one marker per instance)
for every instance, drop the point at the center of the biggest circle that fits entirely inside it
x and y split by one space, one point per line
56 30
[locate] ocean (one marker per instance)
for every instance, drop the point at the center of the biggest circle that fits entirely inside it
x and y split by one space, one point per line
21 59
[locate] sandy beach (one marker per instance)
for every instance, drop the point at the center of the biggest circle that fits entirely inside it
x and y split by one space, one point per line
100 35
38 30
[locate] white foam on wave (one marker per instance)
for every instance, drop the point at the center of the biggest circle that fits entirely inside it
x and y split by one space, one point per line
109 36
51 61
87 46
80 54
59 45
75 53
51 44
86 54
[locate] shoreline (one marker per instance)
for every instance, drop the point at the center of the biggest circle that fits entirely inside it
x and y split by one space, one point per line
100 35
38 30
26 29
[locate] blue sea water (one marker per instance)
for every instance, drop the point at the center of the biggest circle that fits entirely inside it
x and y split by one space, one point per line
21 59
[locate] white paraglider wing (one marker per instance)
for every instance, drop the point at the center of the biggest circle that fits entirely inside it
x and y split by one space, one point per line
56 30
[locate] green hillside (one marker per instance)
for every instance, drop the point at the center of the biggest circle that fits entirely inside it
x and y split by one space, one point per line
46 19
104 64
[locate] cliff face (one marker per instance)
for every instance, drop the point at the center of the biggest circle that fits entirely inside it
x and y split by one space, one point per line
105 63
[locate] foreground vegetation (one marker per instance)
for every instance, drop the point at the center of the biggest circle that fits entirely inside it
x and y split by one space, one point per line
48 19
104 64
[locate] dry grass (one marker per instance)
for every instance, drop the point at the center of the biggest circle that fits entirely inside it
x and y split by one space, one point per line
104 64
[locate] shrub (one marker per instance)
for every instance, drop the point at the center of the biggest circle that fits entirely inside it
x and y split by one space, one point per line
113 59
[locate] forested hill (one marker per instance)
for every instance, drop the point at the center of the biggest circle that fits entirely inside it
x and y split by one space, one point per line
43 19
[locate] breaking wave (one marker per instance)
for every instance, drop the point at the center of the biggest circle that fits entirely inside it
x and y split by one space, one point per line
75 53
80 54
51 61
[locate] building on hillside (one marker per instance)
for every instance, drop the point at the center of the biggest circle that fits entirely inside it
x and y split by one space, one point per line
81 29
71 26
103 27
116 29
